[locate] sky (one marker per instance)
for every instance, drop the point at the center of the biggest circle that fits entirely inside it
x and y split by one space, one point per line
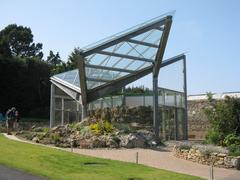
207 31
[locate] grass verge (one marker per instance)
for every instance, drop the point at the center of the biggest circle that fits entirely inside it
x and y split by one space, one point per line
57 164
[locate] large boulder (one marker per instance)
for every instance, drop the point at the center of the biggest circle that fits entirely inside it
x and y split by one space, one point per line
97 142
112 141
35 139
133 141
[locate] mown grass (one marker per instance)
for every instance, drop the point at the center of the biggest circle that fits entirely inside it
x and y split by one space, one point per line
57 164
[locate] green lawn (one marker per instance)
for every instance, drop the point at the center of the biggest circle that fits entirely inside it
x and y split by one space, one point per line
57 164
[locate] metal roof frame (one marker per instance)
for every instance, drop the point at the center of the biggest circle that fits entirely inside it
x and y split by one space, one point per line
163 24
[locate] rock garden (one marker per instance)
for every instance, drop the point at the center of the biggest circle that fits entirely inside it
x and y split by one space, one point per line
97 131
104 128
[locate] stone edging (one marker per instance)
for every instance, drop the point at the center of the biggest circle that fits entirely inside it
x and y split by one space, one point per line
216 159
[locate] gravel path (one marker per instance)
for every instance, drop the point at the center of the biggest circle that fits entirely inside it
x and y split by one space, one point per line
158 159
7 173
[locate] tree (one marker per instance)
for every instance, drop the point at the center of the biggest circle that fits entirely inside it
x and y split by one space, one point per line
73 58
224 117
56 64
25 85
54 59
18 41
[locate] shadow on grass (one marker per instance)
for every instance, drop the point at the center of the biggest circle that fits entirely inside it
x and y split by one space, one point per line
94 164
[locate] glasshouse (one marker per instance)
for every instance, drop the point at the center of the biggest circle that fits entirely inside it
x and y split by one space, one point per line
111 64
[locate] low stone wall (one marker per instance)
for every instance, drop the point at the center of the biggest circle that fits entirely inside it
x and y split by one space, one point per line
215 159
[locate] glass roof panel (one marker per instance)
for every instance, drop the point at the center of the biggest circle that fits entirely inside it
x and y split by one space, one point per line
71 77
92 84
124 55
132 29
149 37
148 52
102 74
126 48
130 53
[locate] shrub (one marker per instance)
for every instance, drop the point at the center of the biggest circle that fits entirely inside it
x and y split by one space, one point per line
185 146
108 127
234 150
210 96
41 135
214 137
46 130
96 128
55 137
72 125
102 127
224 115
123 127
208 149
85 131
231 139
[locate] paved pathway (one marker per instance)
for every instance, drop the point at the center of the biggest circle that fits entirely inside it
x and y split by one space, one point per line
158 159
7 173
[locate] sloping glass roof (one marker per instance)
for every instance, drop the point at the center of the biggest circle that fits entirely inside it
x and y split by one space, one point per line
132 53
71 77
119 55
129 30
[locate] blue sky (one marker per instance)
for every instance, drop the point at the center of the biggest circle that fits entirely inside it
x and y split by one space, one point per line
209 31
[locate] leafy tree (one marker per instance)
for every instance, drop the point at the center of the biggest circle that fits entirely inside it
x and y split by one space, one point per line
18 41
25 85
56 64
224 117
54 59
73 58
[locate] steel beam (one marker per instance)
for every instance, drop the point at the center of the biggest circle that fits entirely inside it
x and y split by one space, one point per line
108 68
97 80
156 117
83 84
159 28
142 43
62 112
156 69
176 117
185 97
162 46
125 56
172 60
125 36
52 106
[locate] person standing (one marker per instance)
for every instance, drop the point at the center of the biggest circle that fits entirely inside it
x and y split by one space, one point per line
8 121
12 118
16 122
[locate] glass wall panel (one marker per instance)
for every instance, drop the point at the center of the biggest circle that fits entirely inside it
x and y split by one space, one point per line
58 103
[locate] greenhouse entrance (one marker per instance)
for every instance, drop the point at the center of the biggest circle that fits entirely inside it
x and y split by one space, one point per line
109 65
